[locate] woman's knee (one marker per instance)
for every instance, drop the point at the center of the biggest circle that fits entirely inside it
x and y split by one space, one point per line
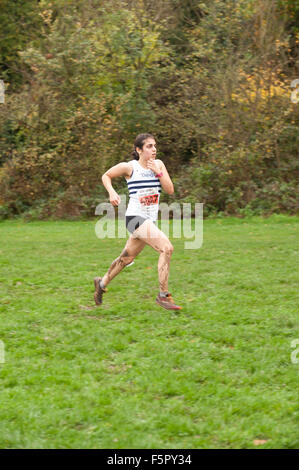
167 249
126 257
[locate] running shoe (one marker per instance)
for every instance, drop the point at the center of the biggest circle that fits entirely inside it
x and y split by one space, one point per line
130 264
167 302
98 290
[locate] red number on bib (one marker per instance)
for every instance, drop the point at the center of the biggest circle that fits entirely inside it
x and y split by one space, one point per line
149 200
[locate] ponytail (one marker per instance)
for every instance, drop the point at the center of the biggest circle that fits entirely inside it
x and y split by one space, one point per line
135 154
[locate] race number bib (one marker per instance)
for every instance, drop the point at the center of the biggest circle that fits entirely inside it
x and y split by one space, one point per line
148 197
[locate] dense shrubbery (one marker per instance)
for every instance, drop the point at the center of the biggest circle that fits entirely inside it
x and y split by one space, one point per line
211 80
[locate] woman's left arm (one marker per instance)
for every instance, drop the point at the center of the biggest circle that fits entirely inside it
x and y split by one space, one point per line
158 167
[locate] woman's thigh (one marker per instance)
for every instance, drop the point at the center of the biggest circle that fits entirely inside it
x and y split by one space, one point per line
150 234
134 246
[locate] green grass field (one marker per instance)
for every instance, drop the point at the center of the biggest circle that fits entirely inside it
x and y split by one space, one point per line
129 374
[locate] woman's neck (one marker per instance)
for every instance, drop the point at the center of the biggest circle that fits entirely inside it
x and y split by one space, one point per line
142 163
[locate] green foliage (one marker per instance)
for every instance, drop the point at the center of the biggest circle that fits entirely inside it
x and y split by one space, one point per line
211 80
290 9
20 24
227 117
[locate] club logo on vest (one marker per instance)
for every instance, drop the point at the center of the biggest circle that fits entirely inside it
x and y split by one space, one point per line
147 173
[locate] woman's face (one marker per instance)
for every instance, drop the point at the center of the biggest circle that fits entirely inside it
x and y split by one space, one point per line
149 149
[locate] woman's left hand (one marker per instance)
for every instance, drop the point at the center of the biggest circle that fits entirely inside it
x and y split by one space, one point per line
153 165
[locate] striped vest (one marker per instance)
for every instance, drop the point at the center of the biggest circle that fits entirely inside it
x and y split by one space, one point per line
144 191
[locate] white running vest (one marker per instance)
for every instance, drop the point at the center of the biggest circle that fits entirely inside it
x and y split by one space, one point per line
144 191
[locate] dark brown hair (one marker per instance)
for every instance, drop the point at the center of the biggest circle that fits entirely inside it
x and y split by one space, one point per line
139 142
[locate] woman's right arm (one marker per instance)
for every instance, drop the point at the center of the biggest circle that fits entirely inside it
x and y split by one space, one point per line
122 169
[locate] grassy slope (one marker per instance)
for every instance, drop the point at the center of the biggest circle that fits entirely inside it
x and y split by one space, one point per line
132 375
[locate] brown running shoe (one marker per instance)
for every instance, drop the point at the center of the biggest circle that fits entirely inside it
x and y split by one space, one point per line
167 302
98 290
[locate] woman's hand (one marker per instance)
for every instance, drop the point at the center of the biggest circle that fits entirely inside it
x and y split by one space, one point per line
114 198
153 165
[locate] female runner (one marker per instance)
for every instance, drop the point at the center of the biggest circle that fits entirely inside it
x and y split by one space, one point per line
146 177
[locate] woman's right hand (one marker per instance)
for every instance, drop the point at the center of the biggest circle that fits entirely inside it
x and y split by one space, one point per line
114 198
